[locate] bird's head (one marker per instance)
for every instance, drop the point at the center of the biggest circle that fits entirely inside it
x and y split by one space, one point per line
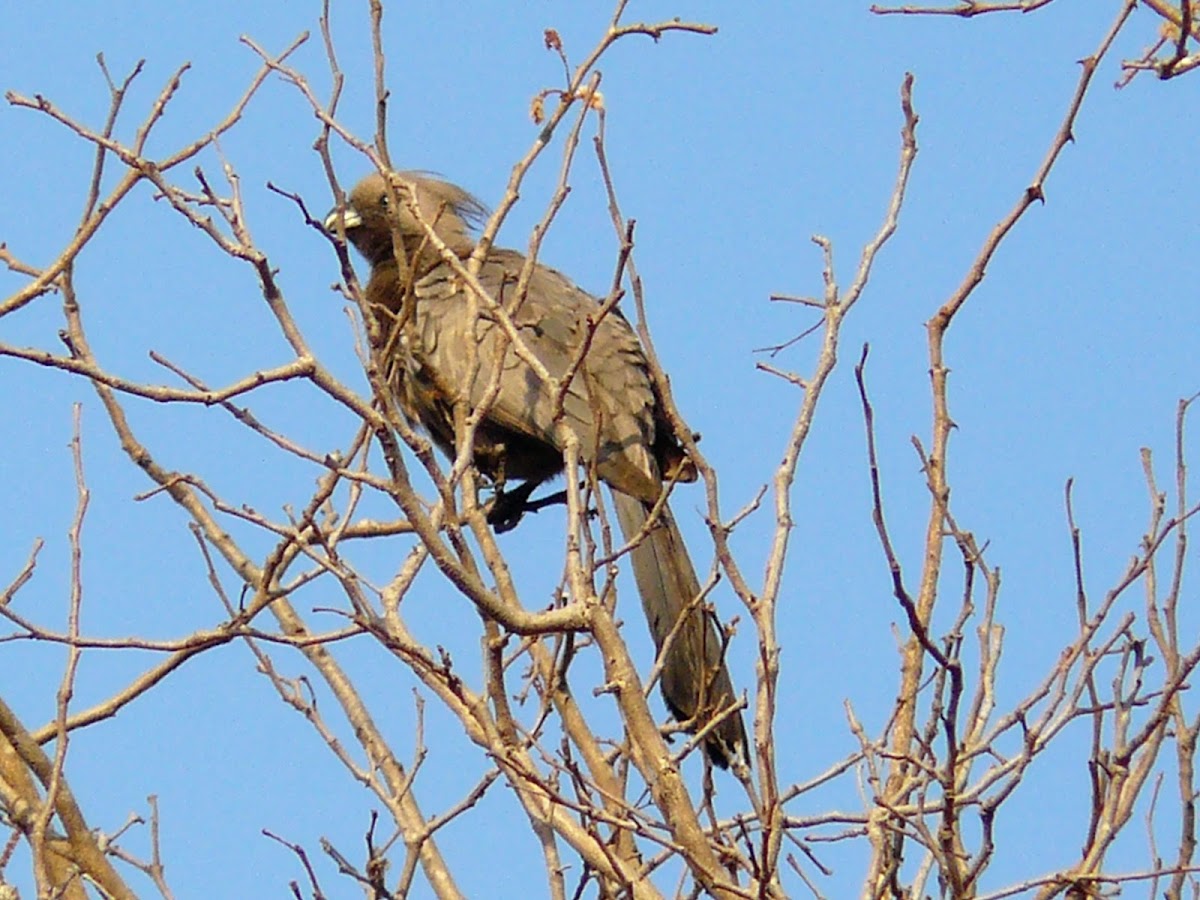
375 208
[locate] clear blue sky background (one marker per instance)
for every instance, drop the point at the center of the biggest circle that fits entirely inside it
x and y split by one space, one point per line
730 152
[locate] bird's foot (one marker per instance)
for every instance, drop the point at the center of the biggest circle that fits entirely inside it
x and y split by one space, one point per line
508 507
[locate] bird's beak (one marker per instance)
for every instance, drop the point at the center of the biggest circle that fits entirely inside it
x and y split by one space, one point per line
349 218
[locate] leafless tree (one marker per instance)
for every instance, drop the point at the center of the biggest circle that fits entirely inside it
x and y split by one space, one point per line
619 805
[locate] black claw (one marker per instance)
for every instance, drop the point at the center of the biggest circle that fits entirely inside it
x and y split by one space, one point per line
509 507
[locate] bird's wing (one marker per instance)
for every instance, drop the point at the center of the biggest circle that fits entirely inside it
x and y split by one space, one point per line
609 403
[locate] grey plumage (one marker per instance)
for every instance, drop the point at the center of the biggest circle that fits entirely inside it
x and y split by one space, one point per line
611 405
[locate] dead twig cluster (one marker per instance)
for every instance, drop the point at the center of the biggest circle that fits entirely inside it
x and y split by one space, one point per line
611 806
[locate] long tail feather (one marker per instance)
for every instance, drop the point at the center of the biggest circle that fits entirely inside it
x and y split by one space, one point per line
695 682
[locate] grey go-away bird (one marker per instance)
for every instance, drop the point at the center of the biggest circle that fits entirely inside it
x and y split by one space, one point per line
611 405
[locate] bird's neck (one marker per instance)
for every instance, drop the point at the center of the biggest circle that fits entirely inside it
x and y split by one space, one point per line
388 285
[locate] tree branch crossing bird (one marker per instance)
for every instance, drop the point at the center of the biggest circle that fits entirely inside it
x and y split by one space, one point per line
610 405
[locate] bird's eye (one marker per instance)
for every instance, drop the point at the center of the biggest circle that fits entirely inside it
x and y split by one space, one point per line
383 201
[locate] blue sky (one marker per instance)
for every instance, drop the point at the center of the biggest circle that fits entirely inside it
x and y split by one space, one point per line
730 151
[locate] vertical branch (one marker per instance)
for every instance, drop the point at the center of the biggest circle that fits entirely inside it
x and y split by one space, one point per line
381 90
1186 732
898 787
66 688
117 98
61 863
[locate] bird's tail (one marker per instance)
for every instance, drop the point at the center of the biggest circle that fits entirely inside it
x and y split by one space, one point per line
695 682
